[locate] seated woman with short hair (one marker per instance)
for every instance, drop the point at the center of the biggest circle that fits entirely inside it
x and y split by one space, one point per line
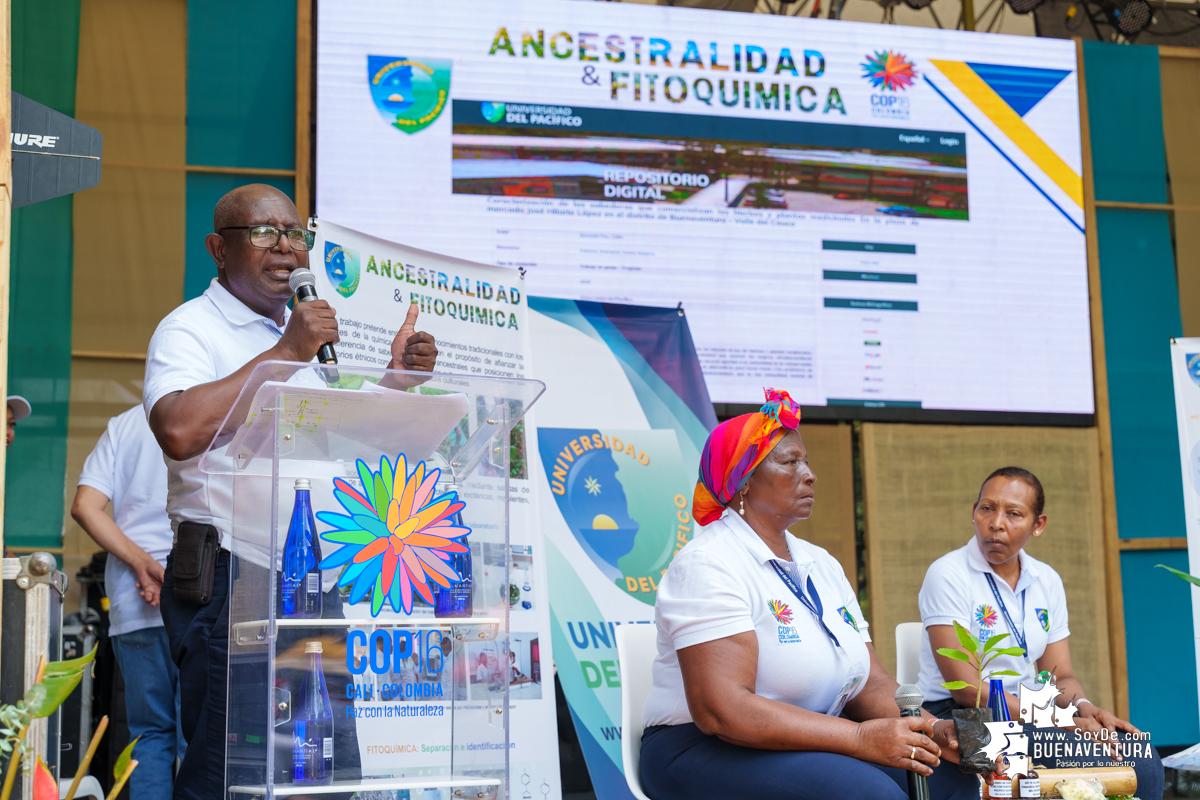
992 586
766 684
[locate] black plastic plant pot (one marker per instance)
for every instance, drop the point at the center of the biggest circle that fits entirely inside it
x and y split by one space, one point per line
972 738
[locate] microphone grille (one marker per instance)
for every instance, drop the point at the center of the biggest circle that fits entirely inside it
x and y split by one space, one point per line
301 277
909 696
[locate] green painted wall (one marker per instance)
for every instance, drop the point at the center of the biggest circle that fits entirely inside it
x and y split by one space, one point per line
1141 313
45 44
241 91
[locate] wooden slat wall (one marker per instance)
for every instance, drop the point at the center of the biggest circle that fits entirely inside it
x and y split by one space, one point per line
831 525
919 485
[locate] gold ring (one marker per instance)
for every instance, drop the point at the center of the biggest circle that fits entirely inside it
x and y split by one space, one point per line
913 755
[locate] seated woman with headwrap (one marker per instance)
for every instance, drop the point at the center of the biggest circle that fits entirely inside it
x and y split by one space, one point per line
766 684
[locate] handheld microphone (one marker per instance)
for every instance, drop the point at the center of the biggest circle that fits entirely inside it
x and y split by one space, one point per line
304 284
909 699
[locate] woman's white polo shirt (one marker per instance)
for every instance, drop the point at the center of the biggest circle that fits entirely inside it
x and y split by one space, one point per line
956 589
722 584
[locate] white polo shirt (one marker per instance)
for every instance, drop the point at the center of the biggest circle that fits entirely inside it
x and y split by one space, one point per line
127 467
956 588
203 340
722 584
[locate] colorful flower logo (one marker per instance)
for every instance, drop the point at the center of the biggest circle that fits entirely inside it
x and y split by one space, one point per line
889 71
396 539
848 617
780 611
985 616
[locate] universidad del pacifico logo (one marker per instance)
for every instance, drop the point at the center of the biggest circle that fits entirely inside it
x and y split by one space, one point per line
410 93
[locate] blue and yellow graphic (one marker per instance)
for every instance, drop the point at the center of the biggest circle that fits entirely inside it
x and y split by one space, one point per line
492 112
625 497
1043 617
1193 367
1004 94
341 265
409 93
849 618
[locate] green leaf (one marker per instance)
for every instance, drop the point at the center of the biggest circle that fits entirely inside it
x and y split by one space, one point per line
1189 578
957 655
969 642
1009 651
991 675
956 685
68 667
124 759
54 691
992 642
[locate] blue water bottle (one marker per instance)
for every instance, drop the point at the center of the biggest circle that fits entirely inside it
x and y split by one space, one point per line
457 600
997 702
312 741
301 555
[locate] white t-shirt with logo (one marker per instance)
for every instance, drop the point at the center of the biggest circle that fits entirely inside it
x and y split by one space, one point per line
204 340
956 588
722 584
127 467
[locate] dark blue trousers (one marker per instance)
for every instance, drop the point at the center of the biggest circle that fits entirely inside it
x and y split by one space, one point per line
681 763
199 639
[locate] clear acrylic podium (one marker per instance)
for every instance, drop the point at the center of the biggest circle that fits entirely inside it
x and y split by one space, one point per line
400 464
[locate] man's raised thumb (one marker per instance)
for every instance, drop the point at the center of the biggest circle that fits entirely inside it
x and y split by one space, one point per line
410 321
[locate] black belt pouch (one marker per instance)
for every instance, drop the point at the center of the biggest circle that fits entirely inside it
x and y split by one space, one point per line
195 562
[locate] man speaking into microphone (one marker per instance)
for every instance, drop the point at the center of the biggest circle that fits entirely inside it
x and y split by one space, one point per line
198 361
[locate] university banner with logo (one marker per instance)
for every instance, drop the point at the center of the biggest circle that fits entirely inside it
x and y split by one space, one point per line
1185 367
479 317
619 435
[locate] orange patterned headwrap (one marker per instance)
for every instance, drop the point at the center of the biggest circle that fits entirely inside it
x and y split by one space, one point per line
734 450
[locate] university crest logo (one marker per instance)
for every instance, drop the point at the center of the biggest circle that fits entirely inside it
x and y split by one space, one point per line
1193 367
1043 617
623 496
409 93
341 265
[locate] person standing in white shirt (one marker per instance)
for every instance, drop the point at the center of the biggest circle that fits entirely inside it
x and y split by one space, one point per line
198 362
126 467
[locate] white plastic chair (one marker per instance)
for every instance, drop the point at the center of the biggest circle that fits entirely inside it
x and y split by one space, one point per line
89 787
636 650
908 651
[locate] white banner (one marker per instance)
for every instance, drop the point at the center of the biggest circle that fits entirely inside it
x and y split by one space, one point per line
1185 368
479 316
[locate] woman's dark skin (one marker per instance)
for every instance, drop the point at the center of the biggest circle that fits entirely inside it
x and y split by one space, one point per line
719 676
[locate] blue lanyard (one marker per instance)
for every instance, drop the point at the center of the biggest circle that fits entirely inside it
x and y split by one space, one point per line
814 605
1019 635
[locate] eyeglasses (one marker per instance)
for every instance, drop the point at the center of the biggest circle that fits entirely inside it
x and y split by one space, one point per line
267 236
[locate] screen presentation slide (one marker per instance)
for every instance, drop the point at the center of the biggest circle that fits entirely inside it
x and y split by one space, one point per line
869 216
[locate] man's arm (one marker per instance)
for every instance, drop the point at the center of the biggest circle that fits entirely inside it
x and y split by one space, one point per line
184 423
88 511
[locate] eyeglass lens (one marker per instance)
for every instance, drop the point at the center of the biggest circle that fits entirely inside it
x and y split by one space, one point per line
268 236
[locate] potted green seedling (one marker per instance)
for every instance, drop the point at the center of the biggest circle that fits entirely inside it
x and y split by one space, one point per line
969 722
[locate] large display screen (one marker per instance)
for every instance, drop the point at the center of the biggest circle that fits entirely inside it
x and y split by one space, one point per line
870 216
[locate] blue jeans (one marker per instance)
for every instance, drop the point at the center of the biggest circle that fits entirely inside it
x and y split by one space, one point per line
152 709
679 762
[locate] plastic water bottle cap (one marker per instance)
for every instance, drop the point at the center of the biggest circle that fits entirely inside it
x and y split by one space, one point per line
303 484
313 647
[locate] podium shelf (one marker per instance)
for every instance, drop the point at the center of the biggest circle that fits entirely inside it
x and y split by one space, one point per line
378 784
